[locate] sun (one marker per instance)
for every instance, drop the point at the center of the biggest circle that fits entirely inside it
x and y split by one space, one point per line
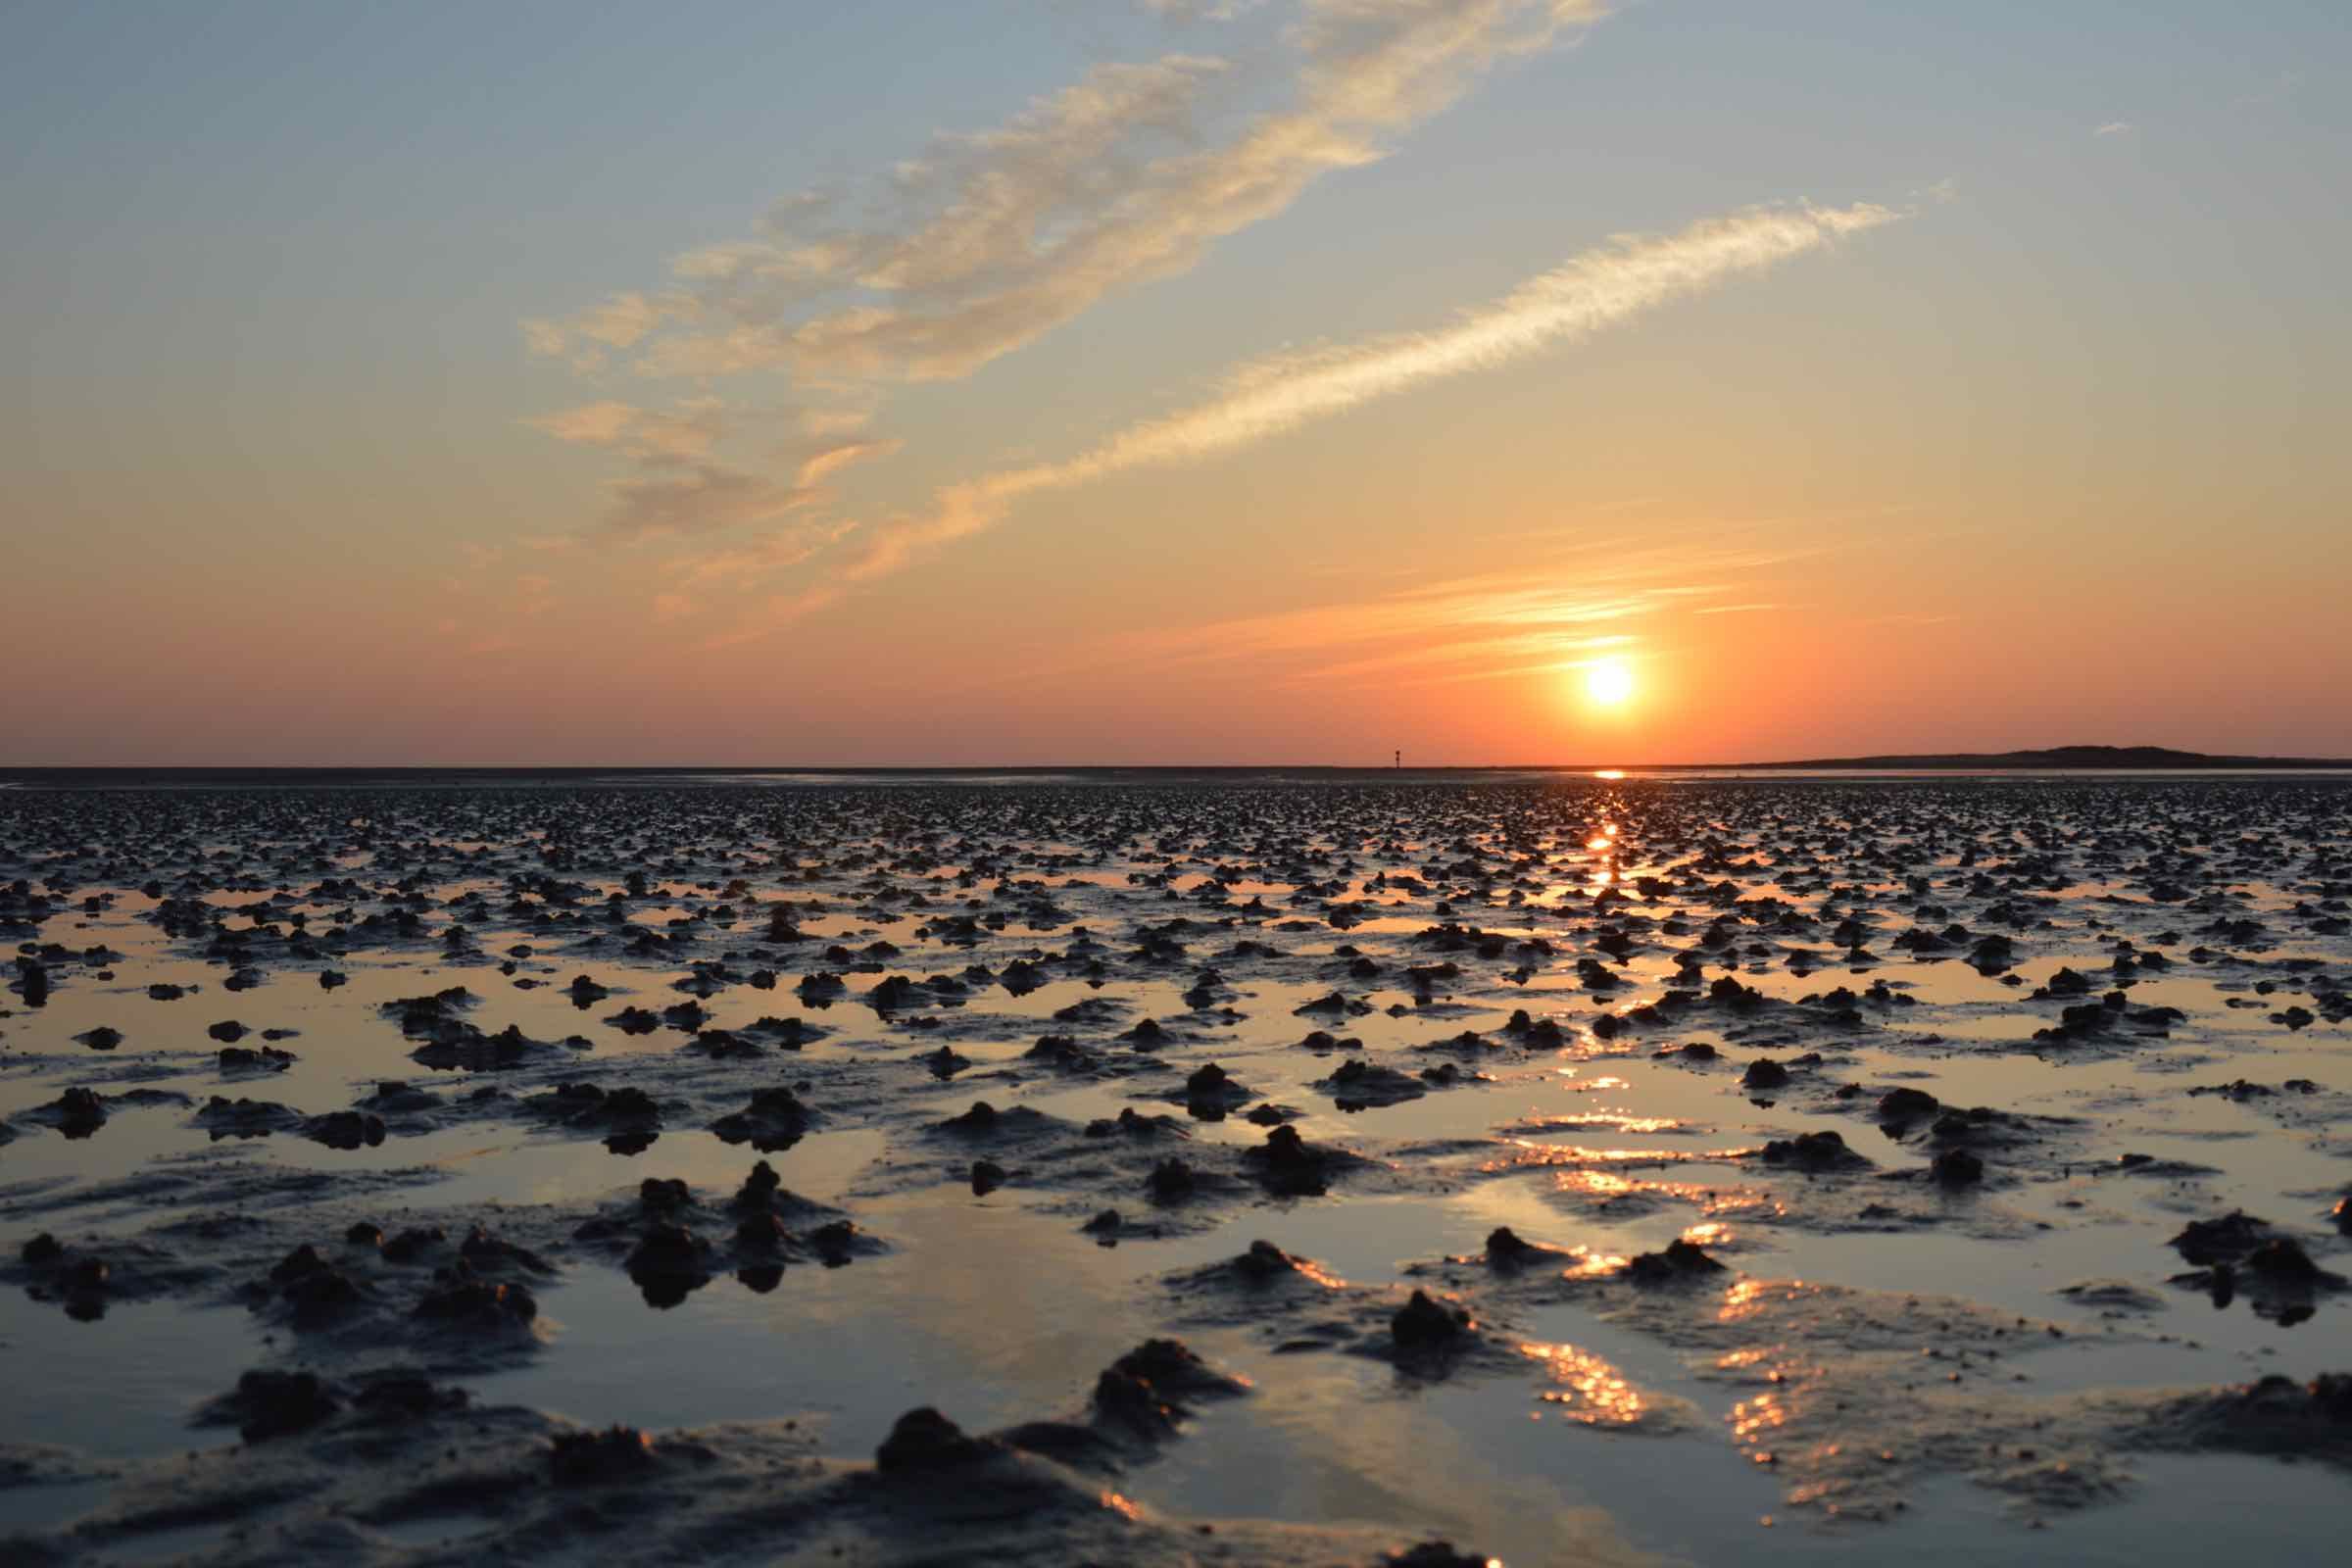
1609 682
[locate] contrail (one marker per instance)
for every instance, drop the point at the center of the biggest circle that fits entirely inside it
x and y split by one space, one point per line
1601 287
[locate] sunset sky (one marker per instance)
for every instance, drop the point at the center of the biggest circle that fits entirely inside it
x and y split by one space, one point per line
1173 381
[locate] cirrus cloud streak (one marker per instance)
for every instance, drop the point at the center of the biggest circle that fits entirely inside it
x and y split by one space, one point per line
1607 286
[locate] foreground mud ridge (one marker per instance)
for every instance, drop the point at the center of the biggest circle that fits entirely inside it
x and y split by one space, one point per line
1348 1173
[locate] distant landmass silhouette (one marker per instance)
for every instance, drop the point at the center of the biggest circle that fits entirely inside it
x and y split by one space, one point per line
2124 756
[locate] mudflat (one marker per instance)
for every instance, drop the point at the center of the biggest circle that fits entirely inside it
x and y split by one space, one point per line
1244 1171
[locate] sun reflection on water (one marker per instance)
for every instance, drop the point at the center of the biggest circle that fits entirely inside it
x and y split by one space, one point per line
1753 1421
1587 1390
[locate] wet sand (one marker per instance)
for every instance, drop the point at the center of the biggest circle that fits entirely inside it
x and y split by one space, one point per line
1248 1172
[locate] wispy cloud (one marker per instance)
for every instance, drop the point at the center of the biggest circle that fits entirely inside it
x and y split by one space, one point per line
621 321
753 561
840 455
1600 288
991 238
678 487
2116 127
702 498
640 433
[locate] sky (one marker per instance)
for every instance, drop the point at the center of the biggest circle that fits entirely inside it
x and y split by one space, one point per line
1171 382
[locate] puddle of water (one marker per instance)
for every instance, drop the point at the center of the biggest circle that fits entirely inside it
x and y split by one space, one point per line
125 1385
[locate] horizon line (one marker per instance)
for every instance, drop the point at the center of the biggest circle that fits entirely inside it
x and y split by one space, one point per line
1937 761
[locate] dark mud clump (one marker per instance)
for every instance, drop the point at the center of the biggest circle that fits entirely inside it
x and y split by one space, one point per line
274 1404
1289 1166
1822 1150
1680 1262
773 1120
1423 1325
923 1441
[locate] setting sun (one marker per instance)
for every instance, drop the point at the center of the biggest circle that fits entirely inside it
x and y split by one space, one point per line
1609 682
